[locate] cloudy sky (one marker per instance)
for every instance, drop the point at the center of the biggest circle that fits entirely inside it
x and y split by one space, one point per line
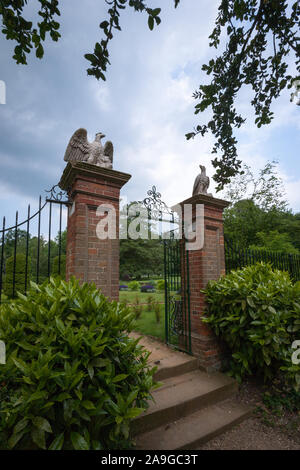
145 107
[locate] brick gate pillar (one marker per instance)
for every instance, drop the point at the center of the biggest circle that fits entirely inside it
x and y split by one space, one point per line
205 264
89 258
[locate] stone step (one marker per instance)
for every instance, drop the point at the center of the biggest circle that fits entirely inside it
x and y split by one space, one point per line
169 362
194 429
172 367
182 395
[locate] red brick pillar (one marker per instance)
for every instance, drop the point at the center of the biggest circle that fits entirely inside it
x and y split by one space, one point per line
89 258
205 264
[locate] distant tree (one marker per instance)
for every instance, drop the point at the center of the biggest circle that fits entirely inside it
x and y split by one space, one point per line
259 207
15 275
275 241
266 190
59 269
9 241
140 258
62 238
242 221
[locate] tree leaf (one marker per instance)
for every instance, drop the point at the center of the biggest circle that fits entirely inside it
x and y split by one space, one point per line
151 22
38 437
57 443
88 405
78 441
42 423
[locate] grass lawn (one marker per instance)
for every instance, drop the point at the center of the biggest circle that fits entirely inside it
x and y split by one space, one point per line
130 296
147 324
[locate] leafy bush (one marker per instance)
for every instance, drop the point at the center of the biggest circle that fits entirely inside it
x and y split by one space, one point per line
137 308
124 303
156 307
149 303
160 284
256 311
75 378
20 273
279 399
134 285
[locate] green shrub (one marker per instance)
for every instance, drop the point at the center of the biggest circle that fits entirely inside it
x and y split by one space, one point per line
156 307
124 303
134 285
20 272
149 303
137 308
75 378
256 311
160 285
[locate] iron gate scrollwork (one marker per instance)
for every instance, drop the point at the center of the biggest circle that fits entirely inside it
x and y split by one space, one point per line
176 273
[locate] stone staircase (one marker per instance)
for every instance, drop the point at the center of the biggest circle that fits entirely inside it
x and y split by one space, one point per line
190 408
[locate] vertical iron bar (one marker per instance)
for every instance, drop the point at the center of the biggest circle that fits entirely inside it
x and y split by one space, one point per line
189 306
2 257
291 271
184 304
166 293
27 247
59 241
15 254
39 240
49 238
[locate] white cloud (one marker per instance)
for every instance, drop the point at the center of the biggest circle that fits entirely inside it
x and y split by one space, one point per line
145 107
101 94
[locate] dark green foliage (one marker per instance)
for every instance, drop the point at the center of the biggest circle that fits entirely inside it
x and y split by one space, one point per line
17 28
33 250
256 311
20 275
140 258
275 241
75 378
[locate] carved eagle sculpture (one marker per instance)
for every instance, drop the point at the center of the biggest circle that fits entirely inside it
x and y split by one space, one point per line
81 150
201 184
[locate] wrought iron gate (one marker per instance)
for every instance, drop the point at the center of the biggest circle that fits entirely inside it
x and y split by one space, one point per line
176 273
177 295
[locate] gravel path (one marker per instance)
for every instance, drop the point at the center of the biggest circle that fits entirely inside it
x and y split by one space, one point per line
252 435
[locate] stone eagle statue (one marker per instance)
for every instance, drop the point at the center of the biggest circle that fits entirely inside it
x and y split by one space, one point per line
81 150
201 184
